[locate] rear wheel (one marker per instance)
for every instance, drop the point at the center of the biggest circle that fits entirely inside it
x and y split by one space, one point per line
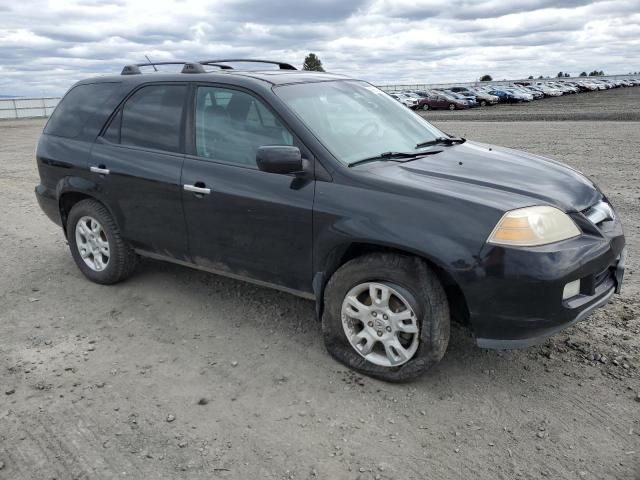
96 245
483 103
386 316
425 106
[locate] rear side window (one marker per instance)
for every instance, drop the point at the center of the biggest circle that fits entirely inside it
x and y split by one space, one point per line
151 118
83 111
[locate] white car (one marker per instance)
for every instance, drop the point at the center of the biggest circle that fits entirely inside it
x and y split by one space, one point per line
548 91
588 85
406 99
525 91
562 87
412 98
536 92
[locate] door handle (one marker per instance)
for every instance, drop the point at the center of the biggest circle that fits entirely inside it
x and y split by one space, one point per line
101 170
195 189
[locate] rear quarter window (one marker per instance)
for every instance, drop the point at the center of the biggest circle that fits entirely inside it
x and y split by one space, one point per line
83 111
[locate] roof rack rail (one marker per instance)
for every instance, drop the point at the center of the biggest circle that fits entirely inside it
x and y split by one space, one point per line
281 65
198 67
219 65
188 67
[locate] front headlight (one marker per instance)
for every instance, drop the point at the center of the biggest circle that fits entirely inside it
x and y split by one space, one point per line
533 226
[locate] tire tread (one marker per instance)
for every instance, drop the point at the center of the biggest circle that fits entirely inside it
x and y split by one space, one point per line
124 258
425 284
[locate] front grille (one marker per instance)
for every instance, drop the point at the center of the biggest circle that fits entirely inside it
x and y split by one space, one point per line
599 213
591 283
601 277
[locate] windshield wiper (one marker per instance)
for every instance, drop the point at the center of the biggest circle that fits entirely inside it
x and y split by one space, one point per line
392 156
441 141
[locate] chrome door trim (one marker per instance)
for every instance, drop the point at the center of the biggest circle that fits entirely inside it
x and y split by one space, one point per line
194 189
101 171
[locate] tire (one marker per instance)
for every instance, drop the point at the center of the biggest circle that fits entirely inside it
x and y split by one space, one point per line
413 279
122 260
425 106
452 106
483 103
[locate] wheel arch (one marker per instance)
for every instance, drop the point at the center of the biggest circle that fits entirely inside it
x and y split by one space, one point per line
71 190
344 253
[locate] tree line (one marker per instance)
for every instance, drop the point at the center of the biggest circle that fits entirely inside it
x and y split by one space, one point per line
594 73
312 62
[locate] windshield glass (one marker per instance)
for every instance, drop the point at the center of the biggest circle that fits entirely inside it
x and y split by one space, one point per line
355 120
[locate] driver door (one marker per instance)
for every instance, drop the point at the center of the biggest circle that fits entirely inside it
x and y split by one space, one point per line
240 220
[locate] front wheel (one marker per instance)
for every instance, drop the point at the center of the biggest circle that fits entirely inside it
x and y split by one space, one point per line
386 316
452 106
96 245
425 106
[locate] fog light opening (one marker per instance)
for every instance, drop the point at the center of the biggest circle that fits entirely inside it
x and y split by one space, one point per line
571 289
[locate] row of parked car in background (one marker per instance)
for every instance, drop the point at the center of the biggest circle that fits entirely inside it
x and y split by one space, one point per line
460 97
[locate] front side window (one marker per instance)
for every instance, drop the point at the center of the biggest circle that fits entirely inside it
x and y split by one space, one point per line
231 125
151 118
355 120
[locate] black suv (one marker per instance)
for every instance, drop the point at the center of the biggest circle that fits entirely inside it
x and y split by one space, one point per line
326 187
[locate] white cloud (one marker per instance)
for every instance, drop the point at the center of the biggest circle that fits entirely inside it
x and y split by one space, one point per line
45 46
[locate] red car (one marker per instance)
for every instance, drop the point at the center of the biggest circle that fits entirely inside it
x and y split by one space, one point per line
435 100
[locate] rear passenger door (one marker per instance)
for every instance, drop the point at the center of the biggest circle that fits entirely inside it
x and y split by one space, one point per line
241 220
137 164
441 102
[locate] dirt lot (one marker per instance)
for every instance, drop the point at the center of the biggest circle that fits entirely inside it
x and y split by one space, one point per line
181 374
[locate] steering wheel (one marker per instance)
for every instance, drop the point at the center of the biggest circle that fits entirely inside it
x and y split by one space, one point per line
368 129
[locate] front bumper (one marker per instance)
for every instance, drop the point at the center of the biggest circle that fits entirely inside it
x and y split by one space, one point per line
519 302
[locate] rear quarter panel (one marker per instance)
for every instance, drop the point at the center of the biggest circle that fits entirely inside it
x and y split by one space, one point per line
59 157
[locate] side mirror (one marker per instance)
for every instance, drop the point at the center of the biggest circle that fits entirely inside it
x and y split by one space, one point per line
282 159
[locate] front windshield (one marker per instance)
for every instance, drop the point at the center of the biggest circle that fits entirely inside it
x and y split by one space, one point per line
355 120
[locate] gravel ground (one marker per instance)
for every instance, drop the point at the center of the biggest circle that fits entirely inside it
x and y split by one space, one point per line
602 105
181 374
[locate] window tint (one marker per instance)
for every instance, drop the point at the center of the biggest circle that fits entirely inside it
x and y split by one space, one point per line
113 132
151 118
83 111
232 125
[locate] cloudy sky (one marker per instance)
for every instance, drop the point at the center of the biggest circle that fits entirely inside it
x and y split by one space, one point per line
47 45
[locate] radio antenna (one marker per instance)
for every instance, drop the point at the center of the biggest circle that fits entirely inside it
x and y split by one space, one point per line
152 64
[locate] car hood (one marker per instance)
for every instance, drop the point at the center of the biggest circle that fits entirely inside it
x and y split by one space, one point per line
516 178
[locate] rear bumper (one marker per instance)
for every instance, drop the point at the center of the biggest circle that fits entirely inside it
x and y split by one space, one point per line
519 302
48 203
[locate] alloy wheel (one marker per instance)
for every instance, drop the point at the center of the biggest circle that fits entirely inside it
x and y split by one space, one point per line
92 243
380 324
